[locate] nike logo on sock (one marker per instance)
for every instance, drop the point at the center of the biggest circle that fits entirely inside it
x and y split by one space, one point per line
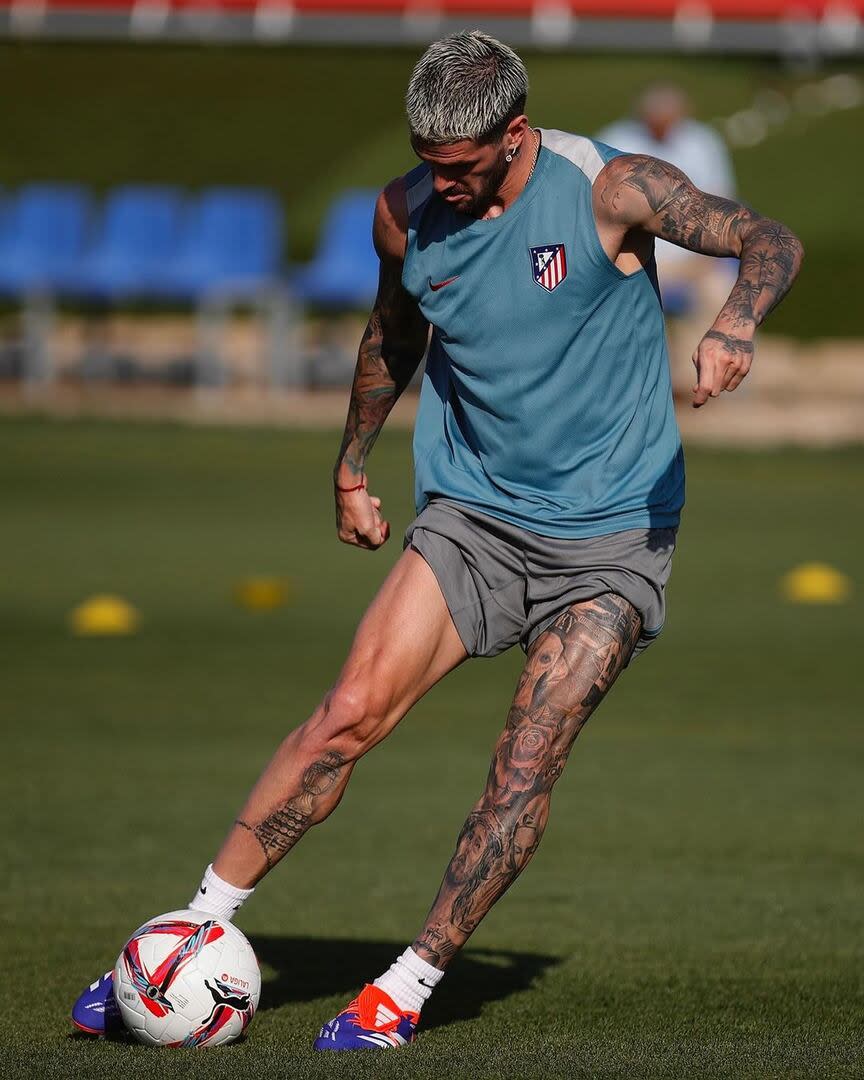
435 286
202 889
429 986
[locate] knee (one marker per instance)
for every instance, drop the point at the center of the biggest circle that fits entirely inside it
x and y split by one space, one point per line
353 717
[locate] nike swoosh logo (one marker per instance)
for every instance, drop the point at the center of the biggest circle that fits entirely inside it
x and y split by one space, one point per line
436 285
429 986
202 889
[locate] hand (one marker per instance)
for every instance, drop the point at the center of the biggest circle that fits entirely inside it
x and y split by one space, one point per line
721 362
359 521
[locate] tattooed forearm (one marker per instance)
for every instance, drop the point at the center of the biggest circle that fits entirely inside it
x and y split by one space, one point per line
373 394
770 260
568 672
392 347
644 193
283 827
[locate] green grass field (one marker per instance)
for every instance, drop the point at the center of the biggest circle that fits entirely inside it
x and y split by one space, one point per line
310 122
695 909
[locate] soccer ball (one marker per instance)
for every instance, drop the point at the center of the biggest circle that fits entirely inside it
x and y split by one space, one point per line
187 979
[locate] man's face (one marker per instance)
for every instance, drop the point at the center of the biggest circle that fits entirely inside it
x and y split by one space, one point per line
466 174
662 110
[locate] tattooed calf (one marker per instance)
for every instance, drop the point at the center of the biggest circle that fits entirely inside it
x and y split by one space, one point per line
284 826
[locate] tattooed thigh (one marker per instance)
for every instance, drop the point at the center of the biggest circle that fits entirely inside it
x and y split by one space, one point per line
569 669
574 661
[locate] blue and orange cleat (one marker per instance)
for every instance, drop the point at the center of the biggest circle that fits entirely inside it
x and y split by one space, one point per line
96 1011
373 1021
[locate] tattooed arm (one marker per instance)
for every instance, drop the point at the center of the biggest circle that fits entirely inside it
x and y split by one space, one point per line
392 347
636 197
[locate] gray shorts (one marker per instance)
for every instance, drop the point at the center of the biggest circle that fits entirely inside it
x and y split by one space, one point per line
503 584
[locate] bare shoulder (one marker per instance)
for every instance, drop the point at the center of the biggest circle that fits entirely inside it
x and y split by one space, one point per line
390 230
632 187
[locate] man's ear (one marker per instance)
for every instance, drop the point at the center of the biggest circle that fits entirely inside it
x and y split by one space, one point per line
516 130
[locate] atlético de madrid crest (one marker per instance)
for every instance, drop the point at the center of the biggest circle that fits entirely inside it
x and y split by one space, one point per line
549 264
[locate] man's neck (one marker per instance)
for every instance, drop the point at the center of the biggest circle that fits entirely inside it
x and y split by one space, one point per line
517 176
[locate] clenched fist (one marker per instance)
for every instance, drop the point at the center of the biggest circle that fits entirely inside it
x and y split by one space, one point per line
358 519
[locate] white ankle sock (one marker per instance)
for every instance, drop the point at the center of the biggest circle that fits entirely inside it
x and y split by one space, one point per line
218 897
410 980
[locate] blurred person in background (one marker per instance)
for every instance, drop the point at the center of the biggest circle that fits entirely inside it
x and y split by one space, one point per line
693 286
549 480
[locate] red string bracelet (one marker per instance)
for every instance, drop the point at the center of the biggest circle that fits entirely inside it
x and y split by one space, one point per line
359 487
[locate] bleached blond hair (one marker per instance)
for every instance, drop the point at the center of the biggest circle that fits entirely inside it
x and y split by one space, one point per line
465 86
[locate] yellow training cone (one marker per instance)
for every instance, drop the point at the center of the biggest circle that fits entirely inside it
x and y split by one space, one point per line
815 583
261 593
104 616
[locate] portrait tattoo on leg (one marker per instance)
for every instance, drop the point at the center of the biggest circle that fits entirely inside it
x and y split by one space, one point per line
568 672
284 826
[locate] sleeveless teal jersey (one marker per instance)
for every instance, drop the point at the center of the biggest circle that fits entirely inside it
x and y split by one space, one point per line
546 400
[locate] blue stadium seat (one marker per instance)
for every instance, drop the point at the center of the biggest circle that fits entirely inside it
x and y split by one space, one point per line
678 300
681 298
344 272
231 243
137 241
42 234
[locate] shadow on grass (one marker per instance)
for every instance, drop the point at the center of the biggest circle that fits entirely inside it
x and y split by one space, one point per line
310 968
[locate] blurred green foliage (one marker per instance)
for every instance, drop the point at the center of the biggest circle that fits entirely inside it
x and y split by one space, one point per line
309 122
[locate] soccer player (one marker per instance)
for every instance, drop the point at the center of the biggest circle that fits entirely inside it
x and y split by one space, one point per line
549 476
